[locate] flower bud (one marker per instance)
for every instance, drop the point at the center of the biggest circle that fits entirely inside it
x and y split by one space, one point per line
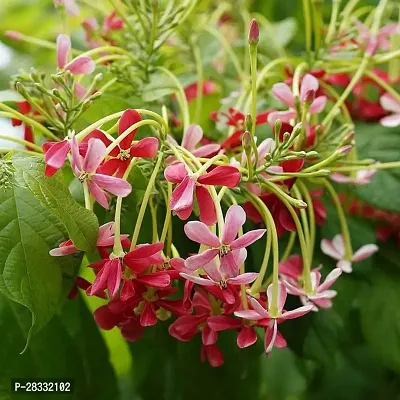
286 137
254 32
246 141
309 97
248 122
299 204
13 35
277 129
349 137
344 150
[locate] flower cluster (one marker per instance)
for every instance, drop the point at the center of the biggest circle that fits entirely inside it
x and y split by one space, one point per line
269 179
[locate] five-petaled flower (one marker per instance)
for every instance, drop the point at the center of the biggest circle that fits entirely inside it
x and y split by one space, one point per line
85 169
272 336
336 250
181 201
227 248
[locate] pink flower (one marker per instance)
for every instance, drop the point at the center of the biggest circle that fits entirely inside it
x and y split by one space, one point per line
309 84
320 296
216 278
336 250
70 6
191 138
55 154
85 169
105 239
379 41
182 197
363 177
247 335
272 336
228 248
79 65
393 106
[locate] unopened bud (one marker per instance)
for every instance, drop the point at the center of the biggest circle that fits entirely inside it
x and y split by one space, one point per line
98 77
286 137
319 130
348 138
254 32
268 157
21 89
246 141
13 35
309 97
277 129
300 204
95 96
248 122
344 150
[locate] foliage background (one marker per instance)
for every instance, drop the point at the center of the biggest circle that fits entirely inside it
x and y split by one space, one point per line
349 352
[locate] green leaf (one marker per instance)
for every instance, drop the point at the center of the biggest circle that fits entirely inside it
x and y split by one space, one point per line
160 85
53 194
381 144
28 274
69 347
380 318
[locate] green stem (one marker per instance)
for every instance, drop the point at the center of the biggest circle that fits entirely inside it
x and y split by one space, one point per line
307 23
289 246
253 71
145 200
388 88
200 81
377 166
167 221
342 219
88 203
272 239
23 142
29 121
332 23
182 100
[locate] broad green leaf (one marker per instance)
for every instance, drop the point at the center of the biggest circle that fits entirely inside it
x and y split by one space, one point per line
69 347
28 274
380 318
381 144
53 194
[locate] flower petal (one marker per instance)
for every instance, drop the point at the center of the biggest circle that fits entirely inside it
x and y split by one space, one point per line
251 315
298 312
246 337
156 279
199 260
224 175
364 252
259 308
182 196
247 239
81 65
114 185
192 137
94 156
197 279
145 148
330 250
63 251
388 103
63 49
345 266
200 233
309 82
207 211
283 93
56 154
229 266
330 279
244 279
270 335
234 220
99 194
391 121
284 116
128 118
318 105
175 173
220 323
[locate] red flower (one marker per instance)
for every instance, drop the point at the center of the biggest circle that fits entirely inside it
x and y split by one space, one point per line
237 119
26 109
